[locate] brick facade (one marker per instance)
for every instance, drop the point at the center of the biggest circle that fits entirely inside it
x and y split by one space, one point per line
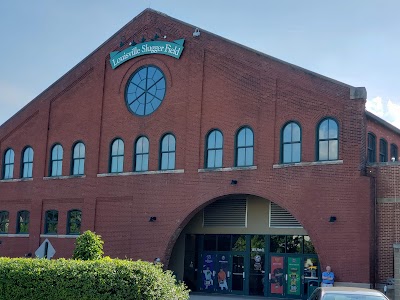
215 84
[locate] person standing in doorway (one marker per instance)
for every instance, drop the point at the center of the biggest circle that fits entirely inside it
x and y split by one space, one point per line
328 277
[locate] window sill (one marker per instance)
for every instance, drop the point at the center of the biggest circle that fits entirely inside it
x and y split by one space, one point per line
305 164
227 169
60 236
386 163
20 235
63 177
16 180
141 173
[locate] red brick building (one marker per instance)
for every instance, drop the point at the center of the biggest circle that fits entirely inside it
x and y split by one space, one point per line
243 173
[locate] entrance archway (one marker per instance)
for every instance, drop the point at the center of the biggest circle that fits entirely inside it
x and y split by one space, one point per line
244 244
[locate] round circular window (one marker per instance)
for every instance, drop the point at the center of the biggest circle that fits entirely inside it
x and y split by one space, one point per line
145 90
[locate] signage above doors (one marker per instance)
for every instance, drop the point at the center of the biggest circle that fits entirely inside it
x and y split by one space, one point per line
173 49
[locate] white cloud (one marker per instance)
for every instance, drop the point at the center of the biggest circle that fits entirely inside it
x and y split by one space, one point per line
385 109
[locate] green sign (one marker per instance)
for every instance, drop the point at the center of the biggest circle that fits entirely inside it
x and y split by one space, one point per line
293 271
173 49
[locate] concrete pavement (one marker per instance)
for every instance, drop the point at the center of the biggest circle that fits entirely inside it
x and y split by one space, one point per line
225 297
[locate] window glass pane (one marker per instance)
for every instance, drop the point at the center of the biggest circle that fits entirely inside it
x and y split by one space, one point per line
211 159
121 147
25 171
211 140
145 145
145 162
218 139
26 155
54 168
164 146
59 168
82 150
323 150
249 156
171 162
76 167
333 150
295 133
138 166
210 242
120 163
241 157
171 143
81 167
287 134
164 161
323 130
11 156
333 129
113 164
218 159
277 243
241 138
249 137
238 242
224 242
139 145
76 151
308 246
296 152
294 244
287 153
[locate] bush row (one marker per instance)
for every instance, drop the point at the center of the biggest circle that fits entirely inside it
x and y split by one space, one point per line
62 279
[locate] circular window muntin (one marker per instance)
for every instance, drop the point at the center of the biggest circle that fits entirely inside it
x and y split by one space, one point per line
137 76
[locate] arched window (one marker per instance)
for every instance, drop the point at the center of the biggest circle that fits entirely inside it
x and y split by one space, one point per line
394 152
291 143
328 140
215 143
371 148
4 221
244 147
168 148
141 154
117 156
383 150
78 159
51 222
27 163
74 221
23 221
8 169
56 160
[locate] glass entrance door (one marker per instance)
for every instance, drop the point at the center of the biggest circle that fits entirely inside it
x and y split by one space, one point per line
238 274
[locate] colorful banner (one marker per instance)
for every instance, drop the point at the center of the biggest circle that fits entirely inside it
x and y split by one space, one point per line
173 49
208 272
294 273
277 276
223 272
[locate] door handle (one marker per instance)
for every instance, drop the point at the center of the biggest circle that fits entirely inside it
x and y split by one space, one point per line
269 276
228 274
244 276
286 277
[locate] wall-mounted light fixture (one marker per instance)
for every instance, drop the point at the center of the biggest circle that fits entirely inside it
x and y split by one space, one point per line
233 181
152 219
332 219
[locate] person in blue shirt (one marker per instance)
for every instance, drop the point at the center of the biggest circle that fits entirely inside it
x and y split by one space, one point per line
328 277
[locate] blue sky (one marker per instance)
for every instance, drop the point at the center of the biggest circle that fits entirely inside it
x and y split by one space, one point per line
353 41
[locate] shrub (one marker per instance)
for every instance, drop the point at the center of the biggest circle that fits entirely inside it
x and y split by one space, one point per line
88 246
114 279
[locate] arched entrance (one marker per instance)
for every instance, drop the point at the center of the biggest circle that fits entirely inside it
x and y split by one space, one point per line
243 244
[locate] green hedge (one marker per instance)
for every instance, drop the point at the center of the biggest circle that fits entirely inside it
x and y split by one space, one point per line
62 279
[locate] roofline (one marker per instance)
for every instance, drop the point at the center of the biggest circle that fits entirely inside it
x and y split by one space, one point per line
382 122
352 88
256 51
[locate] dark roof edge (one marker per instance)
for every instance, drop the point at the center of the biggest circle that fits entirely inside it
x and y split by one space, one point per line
382 122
